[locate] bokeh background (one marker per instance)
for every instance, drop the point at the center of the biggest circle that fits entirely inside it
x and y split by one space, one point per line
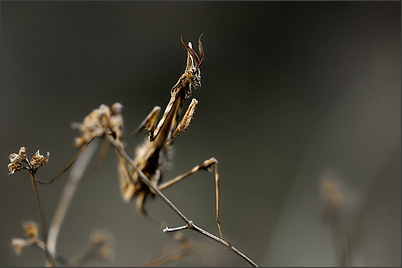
292 93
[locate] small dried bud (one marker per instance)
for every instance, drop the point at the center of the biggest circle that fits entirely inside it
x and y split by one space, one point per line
14 167
98 239
39 160
31 230
103 242
333 196
105 252
79 141
117 108
18 244
22 151
20 157
16 160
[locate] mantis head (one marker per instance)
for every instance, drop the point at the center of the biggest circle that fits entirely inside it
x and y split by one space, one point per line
194 62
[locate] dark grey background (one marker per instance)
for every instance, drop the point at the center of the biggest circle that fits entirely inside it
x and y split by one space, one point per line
289 90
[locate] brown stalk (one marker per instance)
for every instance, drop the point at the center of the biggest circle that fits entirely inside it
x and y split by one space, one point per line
68 165
42 219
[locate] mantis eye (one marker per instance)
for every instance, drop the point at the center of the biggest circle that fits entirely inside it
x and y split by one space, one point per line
196 83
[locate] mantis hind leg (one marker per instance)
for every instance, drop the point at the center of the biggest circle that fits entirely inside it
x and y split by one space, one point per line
206 165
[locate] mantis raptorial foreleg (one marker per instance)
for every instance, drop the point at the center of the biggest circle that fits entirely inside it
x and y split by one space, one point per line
185 121
207 165
149 123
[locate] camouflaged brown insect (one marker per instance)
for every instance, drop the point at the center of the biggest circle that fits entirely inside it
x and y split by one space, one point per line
152 156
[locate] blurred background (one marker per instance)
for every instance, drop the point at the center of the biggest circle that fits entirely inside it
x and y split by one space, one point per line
300 102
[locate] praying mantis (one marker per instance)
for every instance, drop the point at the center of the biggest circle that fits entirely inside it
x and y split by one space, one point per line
152 156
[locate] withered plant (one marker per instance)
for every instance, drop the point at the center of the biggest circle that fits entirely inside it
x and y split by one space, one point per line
140 177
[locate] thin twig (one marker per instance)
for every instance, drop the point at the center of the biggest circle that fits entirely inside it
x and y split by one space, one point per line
84 256
341 244
189 224
67 195
68 165
96 167
39 244
173 256
42 219
98 247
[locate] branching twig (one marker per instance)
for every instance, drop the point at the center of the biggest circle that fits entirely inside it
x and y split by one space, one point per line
39 244
189 224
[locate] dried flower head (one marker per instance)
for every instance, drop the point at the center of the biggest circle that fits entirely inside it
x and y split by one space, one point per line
19 244
334 198
98 239
31 231
39 160
20 157
104 242
14 167
105 252
16 160
19 161
100 121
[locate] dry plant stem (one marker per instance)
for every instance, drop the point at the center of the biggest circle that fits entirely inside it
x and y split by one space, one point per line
68 165
189 224
42 219
67 195
83 256
39 244
341 244
165 259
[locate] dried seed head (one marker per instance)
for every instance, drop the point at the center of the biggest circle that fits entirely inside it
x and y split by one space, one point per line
15 161
18 245
20 157
19 161
100 121
79 141
105 252
14 167
334 198
39 160
31 231
98 239
103 241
